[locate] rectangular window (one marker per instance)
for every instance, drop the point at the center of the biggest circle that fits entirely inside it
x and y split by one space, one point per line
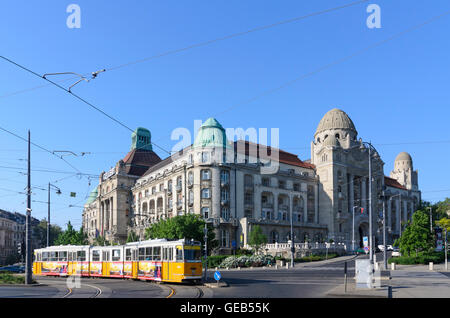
206 193
179 253
105 256
205 174
128 254
116 255
62 256
81 256
96 256
148 253
157 253
141 254
205 157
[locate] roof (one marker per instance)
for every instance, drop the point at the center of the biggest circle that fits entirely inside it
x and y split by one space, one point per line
335 119
92 196
137 161
390 182
284 156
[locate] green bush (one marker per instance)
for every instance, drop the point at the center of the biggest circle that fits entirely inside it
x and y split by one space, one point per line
216 260
421 258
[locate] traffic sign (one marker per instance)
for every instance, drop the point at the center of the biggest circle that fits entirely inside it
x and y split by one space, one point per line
366 249
217 276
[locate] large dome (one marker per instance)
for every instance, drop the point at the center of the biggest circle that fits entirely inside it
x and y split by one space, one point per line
335 119
403 156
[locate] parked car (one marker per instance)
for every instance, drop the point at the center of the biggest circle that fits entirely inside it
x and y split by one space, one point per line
396 252
13 269
360 251
389 247
381 247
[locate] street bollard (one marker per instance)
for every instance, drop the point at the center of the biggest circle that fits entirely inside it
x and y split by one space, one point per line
430 266
287 265
276 266
393 266
390 290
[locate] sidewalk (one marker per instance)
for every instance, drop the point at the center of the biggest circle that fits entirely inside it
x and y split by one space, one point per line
407 281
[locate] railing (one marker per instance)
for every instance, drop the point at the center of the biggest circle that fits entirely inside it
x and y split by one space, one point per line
304 245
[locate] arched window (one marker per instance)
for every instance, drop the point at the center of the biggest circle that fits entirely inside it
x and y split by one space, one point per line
190 178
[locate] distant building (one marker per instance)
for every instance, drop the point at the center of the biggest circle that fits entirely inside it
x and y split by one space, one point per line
12 232
222 181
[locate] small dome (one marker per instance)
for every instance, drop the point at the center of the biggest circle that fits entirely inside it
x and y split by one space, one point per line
211 134
92 196
335 119
403 156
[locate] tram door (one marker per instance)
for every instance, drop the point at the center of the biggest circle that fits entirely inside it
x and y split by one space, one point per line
165 264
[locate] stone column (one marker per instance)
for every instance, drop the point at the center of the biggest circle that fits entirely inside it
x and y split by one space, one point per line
305 208
363 194
397 214
316 204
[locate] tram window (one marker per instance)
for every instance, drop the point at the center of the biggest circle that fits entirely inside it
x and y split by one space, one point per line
105 256
157 253
179 253
70 257
170 253
116 255
141 254
63 256
191 254
134 255
148 253
53 256
164 257
81 256
128 254
96 256
45 256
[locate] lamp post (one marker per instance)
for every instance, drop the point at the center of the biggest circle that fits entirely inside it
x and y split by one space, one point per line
353 229
371 149
48 221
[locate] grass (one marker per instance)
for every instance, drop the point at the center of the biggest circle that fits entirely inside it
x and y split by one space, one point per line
8 278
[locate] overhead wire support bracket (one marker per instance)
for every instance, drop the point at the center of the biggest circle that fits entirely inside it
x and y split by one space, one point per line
82 78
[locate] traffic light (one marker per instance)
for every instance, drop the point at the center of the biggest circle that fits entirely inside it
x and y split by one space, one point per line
19 248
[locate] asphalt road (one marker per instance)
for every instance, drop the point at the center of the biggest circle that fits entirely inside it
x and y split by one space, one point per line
303 281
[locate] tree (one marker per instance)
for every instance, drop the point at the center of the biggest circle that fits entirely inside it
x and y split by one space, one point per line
256 238
41 233
101 241
188 226
72 237
417 236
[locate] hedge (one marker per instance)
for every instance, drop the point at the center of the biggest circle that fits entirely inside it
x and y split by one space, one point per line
421 258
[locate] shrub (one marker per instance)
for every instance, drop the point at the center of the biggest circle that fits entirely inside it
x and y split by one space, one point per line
247 261
422 258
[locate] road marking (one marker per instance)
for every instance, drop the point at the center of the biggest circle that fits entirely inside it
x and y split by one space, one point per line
70 292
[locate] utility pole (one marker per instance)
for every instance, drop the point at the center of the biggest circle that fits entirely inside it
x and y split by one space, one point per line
48 217
292 236
353 230
48 222
205 231
431 219
384 232
370 204
28 258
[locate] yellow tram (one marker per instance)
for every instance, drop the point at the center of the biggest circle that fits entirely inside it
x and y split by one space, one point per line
158 260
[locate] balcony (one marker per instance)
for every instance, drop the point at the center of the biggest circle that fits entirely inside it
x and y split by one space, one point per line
224 202
178 188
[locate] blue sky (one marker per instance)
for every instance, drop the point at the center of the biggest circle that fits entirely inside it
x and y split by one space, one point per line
396 93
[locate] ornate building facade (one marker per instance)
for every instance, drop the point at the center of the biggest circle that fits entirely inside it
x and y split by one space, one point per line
223 181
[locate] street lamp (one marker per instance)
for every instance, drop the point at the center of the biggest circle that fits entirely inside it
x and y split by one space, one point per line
371 148
48 221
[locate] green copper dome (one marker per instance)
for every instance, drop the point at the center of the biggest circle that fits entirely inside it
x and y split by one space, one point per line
92 196
141 139
211 134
